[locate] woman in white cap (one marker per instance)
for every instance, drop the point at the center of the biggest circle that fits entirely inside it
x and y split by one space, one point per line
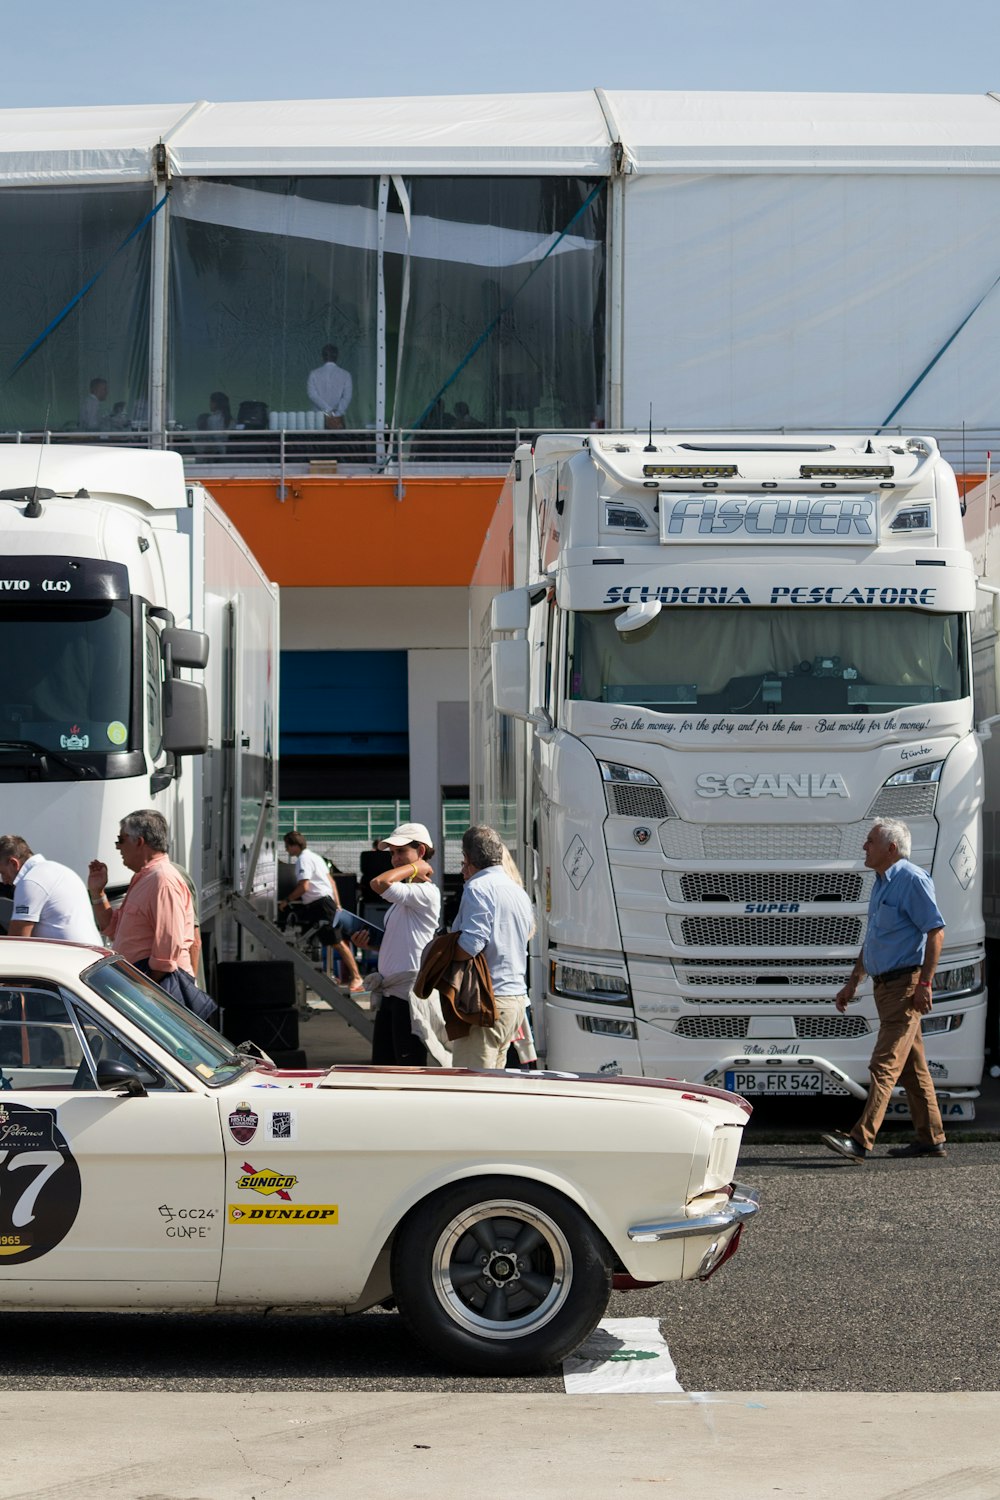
412 920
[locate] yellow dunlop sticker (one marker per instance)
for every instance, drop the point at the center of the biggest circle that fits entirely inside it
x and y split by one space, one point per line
284 1213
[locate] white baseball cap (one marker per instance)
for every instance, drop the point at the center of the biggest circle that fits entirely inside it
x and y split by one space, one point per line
407 833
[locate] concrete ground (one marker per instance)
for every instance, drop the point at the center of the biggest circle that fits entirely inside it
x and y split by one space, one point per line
312 1445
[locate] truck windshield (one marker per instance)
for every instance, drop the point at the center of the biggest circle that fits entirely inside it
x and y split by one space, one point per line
760 661
66 676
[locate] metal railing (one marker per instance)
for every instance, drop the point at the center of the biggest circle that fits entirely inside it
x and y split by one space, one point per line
343 830
388 449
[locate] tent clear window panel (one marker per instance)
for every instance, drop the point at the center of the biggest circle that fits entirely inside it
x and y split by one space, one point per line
478 255
264 273
52 242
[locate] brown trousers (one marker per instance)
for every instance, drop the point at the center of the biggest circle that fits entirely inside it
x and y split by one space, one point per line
899 1058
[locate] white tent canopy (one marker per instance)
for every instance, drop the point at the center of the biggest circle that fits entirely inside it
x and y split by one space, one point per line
501 134
774 259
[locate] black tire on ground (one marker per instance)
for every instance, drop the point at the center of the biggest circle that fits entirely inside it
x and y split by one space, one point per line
270 1029
257 984
500 1275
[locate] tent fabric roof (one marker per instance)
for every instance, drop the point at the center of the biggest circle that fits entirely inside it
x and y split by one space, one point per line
507 134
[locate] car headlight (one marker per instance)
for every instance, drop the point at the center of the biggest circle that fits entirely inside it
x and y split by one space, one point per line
588 984
965 980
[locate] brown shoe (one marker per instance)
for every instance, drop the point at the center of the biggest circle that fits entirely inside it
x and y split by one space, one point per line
845 1145
919 1148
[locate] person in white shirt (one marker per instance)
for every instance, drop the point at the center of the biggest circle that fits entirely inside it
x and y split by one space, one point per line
92 405
402 1031
50 900
314 900
330 388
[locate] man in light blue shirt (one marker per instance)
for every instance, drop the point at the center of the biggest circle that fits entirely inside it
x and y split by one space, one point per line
494 918
901 950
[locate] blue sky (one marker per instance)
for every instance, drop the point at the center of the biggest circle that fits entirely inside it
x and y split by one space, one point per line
125 52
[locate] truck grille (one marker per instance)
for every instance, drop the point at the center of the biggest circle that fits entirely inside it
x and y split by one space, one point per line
807 1028
765 886
766 932
627 800
800 972
733 842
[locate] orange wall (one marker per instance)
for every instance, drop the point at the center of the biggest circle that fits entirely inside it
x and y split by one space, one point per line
354 532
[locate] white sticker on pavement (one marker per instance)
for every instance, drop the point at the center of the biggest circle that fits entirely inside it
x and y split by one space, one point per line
624 1355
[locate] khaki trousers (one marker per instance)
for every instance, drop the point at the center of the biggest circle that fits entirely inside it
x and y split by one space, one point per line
486 1046
899 1057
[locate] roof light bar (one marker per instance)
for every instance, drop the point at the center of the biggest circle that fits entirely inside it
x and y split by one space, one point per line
846 471
690 471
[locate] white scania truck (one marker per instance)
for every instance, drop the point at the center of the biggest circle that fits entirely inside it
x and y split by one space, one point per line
138 668
701 665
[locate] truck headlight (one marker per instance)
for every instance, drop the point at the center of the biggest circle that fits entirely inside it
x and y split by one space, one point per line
607 1026
965 980
910 793
587 984
934 1025
632 793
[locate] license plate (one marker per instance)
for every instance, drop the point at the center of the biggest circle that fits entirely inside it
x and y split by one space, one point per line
775 1081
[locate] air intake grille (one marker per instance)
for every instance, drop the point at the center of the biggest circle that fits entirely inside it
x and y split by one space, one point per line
766 932
807 1028
905 801
792 975
792 886
816 1028
628 800
696 1027
732 842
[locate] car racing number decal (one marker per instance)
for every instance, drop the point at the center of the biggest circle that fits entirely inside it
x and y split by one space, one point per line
39 1184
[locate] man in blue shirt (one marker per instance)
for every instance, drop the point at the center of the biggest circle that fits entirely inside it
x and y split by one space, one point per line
494 918
901 950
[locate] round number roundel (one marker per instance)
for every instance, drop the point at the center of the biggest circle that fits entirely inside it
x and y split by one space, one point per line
39 1184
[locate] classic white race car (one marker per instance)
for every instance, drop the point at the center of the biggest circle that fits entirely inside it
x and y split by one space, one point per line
144 1162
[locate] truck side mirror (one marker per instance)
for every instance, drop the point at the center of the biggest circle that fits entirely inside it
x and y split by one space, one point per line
185 717
511 677
188 648
511 611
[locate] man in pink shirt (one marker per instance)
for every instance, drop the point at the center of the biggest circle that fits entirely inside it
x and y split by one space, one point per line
153 927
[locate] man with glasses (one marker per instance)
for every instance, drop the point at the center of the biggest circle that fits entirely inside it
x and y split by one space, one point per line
153 927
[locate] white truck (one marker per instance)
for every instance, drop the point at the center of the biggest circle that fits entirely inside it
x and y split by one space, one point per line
139 668
701 665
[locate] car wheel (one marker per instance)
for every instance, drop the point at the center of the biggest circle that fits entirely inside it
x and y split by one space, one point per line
500 1275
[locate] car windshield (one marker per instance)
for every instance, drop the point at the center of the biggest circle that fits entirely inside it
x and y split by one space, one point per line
760 661
65 676
190 1041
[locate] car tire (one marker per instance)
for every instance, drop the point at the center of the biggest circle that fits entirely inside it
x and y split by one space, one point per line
500 1275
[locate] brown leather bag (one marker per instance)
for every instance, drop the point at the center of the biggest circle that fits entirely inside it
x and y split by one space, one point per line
332 423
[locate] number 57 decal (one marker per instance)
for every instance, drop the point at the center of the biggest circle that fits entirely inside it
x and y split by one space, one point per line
39 1184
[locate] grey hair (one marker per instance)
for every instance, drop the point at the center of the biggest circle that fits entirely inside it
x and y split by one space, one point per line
895 832
150 826
13 846
482 847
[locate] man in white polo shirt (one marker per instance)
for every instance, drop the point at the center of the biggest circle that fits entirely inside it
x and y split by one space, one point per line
50 900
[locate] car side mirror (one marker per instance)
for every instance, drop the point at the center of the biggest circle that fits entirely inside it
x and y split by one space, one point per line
118 1075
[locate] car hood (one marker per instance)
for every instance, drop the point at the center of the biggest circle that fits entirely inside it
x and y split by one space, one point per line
718 1103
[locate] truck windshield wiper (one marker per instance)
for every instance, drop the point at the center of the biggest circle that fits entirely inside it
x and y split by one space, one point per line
44 754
